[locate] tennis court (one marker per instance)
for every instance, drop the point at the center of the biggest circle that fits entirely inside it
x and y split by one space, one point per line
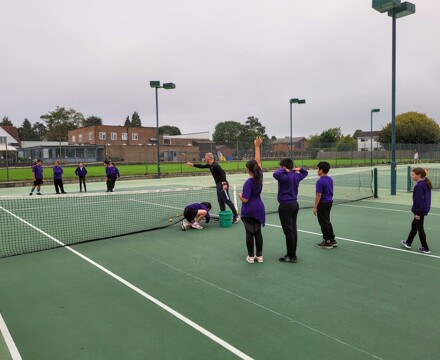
171 294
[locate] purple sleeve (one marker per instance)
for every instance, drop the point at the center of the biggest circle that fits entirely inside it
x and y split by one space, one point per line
247 190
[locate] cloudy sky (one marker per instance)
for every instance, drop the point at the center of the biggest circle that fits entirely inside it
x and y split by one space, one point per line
229 59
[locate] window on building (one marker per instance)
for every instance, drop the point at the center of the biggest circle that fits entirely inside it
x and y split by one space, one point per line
114 136
80 138
124 136
167 141
102 136
90 135
73 138
134 136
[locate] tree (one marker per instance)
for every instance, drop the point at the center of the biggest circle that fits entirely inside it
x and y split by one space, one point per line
331 135
39 130
255 128
412 128
346 143
169 130
29 132
91 121
229 131
135 120
314 141
60 121
6 122
127 122
25 131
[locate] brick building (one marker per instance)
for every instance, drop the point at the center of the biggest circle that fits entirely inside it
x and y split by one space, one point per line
134 144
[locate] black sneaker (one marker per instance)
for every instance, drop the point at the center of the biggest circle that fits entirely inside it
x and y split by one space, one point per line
325 245
405 243
30 194
334 243
424 250
287 259
39 194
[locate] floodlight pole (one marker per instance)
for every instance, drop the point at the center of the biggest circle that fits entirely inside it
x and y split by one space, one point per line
167 86
371 136
395 9
393 108
157 136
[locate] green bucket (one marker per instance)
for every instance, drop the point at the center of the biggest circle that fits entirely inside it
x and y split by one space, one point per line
225 218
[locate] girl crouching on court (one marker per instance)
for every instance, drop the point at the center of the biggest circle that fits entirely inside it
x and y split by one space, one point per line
194 213
252 210
420 209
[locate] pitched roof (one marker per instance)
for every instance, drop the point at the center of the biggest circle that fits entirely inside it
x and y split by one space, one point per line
12 130
368 133
286 140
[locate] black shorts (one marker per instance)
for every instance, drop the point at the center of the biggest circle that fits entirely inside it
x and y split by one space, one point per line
38 182
190 214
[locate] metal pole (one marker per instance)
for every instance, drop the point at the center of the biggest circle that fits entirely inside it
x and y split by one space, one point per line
7 165
393 108
290 130
371 140
157 137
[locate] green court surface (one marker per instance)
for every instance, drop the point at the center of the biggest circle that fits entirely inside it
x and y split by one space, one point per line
170 294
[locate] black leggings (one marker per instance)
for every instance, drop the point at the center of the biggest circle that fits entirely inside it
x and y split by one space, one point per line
417 226
82 181
253 231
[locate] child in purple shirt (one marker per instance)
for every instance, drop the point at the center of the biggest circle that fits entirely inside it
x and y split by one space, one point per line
37 176
58 178
323 206
253 213
81 172
194 213
420 209
288 182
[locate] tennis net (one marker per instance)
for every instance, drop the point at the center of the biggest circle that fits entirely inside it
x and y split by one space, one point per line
36 223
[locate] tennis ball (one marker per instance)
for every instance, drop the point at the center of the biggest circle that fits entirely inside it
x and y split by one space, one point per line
347 194
170 220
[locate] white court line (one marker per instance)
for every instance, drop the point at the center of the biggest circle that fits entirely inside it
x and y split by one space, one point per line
179 316
9 340
363 243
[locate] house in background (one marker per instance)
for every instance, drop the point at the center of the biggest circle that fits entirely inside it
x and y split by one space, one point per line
282 146
367 138
8 142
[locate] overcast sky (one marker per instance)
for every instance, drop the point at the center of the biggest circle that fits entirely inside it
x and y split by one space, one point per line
229 59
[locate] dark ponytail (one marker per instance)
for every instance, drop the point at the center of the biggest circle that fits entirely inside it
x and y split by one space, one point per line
255 170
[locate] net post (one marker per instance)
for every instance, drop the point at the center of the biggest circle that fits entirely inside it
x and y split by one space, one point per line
376 194
408 179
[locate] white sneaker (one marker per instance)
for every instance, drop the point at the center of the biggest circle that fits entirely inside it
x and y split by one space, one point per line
196 226
259 259
250 259
182 225
236 219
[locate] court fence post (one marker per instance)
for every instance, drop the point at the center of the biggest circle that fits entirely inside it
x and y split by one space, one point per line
375 187
408 179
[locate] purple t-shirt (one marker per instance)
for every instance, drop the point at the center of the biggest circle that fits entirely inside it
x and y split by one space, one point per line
324 186
254 207
38 170
288 183
197 206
